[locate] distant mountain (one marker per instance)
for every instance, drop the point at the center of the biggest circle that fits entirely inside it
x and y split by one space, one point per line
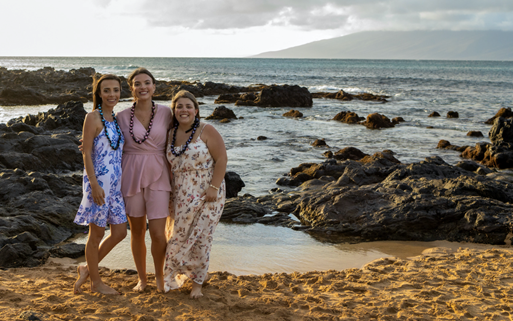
429 45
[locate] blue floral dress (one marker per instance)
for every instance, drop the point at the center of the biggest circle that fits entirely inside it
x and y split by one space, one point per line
107 167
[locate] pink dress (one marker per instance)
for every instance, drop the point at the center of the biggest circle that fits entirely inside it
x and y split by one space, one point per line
190 237
144 165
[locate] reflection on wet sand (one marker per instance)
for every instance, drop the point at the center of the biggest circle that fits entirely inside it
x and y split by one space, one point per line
259 249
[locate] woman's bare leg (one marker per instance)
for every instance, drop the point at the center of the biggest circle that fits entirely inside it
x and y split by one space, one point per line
158 249
117 234
92 249
137 242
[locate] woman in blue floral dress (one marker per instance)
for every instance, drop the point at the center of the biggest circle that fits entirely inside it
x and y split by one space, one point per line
102 202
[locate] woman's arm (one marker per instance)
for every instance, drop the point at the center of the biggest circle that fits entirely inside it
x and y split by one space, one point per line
217 149
92 127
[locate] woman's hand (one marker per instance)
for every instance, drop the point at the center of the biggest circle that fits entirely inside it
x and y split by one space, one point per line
211 195
81 147
98 194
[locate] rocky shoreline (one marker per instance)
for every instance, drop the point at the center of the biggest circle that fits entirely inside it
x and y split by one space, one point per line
350 197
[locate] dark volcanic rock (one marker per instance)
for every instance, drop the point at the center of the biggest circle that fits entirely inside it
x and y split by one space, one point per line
21 95
280 96
44 86
445 144
425 201
244 207
348 117
452 114
385 200
29 145
342 95
320 143
503 112
222 112
474 167
397 120
474 133
349 153
66 116
234 184
336 170
434 114
72 250
376 121
248 209
499 153
16 255
227 99
50 86
293 113
501 132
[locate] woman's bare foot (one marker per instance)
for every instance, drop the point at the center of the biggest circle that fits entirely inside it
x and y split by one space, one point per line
83 274
196 291
140 286
160 284
103 289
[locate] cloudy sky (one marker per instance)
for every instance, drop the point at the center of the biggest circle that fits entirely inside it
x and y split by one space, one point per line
222 28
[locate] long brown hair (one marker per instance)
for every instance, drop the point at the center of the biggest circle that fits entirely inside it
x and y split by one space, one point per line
183 94
97 86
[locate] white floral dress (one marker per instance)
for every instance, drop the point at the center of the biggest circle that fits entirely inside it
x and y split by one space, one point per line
190 236
107 168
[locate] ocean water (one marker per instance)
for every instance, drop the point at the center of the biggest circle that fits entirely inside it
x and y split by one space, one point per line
474 89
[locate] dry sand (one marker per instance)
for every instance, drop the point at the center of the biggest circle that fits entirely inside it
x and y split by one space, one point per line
441 284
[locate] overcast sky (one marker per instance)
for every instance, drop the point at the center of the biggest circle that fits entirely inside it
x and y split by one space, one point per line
221 28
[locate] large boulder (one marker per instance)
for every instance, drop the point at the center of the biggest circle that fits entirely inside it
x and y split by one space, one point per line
349 153
425 201
501 132
222 112
503 112
377 121
46 142
499 153
234 184
69 115
36 213
348 117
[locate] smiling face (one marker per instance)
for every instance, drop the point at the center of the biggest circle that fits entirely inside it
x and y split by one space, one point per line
110 92
185 111
142 87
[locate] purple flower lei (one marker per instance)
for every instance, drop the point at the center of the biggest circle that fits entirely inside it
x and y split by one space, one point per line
149 126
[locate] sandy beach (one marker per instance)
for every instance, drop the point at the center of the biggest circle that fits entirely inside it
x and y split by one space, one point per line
440 284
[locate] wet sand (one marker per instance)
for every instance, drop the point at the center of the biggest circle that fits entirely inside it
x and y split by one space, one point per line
260 249
440 284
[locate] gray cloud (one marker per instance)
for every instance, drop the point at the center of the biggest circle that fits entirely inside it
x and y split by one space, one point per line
334 14
102 3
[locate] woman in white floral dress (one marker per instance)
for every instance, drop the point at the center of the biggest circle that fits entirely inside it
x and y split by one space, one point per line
197 156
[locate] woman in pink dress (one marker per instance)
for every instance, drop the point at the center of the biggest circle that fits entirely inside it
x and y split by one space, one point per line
198 160
145 182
